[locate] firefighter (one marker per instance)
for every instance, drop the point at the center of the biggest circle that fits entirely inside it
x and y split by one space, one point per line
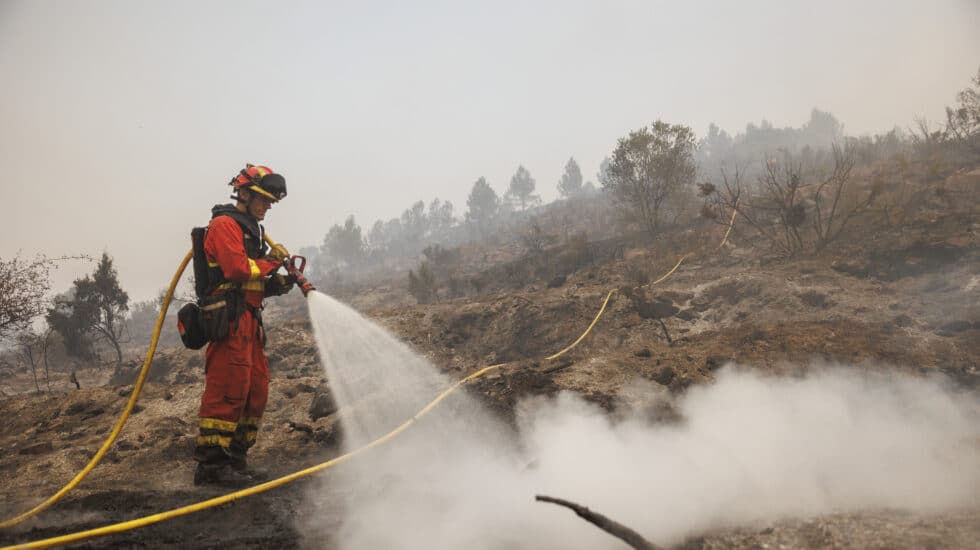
241 273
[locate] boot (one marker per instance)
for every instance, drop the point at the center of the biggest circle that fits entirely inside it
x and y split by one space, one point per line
222 475
239 463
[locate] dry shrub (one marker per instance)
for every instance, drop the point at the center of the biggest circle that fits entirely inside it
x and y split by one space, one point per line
422 285
636 273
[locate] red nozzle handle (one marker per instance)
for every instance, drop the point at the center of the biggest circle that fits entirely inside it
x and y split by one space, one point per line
296 264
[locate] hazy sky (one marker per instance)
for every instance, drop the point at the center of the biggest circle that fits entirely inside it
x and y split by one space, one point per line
123 121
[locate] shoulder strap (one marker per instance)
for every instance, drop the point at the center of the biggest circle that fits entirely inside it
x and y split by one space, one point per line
202 275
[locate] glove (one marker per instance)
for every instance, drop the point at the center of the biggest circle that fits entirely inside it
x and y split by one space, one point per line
279 252
277 284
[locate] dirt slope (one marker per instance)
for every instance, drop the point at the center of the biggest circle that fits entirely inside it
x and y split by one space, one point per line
909 302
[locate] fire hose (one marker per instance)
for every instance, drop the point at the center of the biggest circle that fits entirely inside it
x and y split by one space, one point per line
263 487
294 265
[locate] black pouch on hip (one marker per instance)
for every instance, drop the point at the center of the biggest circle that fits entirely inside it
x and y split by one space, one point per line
190 327
217 314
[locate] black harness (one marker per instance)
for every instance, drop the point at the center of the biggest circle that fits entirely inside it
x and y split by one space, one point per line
210 281
209 278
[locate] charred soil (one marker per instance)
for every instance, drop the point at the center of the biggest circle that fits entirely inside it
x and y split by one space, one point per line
907 300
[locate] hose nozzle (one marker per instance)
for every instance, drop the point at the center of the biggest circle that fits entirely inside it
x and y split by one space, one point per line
295 266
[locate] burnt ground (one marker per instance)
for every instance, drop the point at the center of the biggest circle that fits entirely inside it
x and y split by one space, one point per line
906 300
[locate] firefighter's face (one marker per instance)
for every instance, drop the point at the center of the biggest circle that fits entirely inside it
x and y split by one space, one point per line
259 205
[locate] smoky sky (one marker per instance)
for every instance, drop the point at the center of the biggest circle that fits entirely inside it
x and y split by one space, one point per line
122 121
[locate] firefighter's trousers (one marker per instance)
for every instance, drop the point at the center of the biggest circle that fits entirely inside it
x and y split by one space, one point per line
235 393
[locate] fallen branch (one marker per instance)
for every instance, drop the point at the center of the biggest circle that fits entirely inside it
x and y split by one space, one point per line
561 366
627 535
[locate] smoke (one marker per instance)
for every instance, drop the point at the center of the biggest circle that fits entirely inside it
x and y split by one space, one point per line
747 448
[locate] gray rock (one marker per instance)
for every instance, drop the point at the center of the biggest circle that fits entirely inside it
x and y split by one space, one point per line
323 405
665 375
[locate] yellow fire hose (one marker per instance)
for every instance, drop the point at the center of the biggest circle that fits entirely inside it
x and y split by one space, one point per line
272 484
263 487
137 388
125 412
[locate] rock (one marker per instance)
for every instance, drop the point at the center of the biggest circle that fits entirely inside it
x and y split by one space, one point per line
813 298
78 407
661 308
303 387
168 396
665 375
556 282
688 314
715 362
185 378
323 405
37 449
902 321
300 427
631 320
680 383
92 413
953 327
700 303
855 268
644 352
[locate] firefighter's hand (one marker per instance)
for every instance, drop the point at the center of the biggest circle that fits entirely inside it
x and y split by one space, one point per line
277 284
279 253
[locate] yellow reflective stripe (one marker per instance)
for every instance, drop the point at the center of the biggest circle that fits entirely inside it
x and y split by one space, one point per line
250 437
264 193
254 285
217 424
254 269
216 305
213 264
250 421
220 440
250 285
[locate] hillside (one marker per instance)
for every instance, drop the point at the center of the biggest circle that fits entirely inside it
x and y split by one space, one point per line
903 300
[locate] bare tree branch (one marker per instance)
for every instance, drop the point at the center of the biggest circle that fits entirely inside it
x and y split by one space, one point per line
618 530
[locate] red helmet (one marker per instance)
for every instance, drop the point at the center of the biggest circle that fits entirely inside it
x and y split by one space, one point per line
262 180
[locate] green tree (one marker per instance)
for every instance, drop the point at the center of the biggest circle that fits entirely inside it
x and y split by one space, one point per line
716 146
93 310
521 190
415 224
71 319
570 184
647 167
344 243
102 295
441 217
822 130
483 204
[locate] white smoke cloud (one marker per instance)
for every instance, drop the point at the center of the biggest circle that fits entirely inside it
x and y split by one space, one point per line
748 448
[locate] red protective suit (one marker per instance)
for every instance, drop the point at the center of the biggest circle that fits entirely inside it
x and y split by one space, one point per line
237 372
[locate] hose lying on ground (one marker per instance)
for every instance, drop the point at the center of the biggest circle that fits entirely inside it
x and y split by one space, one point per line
272 484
